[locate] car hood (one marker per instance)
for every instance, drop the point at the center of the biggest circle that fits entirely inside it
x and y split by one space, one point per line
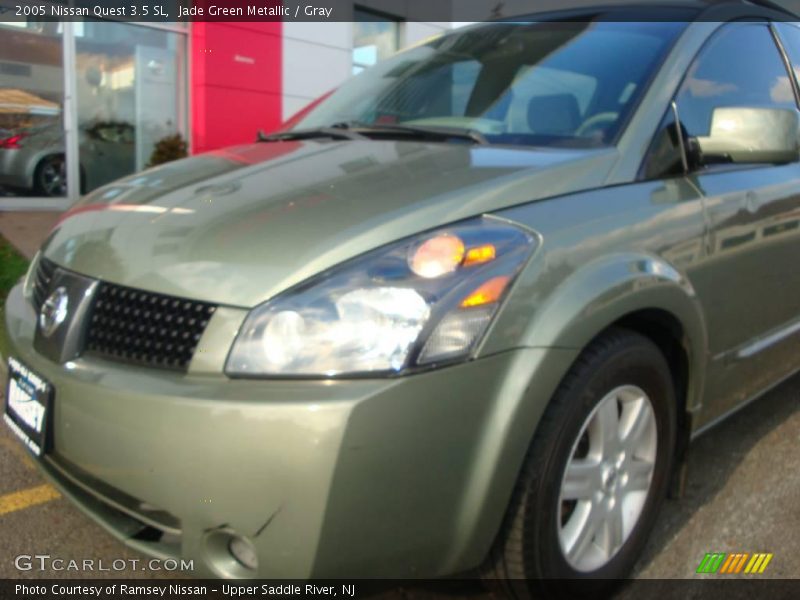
237 226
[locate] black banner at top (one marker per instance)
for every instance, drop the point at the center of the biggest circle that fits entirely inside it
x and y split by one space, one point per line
183 11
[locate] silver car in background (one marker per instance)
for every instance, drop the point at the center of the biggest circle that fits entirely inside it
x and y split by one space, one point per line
32 159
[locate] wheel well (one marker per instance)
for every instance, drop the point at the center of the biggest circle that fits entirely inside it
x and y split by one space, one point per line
40 162
667 332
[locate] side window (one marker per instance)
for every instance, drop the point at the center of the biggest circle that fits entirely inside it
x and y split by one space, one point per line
740 66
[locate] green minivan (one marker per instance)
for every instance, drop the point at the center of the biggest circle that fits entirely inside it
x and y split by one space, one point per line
465 313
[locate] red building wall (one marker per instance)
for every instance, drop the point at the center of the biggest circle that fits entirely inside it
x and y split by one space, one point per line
236 82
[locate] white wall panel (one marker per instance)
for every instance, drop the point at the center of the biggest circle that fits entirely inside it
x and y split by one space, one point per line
413 32
292 104
335 34
311 69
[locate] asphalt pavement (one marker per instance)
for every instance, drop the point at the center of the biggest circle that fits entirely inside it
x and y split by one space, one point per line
743 495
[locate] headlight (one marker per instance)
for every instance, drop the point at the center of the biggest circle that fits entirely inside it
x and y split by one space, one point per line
418 302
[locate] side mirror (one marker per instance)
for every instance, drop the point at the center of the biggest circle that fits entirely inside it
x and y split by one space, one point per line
750 135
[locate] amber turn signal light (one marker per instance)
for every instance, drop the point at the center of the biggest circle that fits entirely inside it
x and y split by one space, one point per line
488 292
480 254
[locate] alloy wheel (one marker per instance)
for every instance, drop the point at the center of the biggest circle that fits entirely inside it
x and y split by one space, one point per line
607 478
53 177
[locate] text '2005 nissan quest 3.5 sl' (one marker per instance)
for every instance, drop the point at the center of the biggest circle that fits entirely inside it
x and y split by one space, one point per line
465 312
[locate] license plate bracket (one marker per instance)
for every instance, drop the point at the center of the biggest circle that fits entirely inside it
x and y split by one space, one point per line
29 400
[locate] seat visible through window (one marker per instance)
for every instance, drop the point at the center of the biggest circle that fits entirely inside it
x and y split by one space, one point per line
557 114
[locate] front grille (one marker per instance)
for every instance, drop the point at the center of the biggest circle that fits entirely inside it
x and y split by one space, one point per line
145 328
41 281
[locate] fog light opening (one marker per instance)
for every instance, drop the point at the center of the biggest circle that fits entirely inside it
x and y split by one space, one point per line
244 552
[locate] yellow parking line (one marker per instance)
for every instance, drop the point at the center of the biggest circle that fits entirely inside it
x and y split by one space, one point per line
26 498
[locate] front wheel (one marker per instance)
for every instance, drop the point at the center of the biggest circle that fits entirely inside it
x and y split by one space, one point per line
50 177
595 474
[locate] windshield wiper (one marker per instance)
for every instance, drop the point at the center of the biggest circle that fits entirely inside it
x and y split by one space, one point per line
355 130
335 133
421 131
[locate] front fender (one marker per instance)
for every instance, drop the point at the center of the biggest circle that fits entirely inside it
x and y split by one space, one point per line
574 311
551 323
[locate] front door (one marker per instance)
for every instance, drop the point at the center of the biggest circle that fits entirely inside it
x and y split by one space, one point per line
749 285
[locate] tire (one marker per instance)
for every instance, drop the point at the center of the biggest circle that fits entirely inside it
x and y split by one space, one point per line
530 557
49 177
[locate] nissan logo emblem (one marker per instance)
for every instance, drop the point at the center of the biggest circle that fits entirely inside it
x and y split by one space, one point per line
54 311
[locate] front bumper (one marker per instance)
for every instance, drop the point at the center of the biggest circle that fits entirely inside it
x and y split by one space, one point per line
404 477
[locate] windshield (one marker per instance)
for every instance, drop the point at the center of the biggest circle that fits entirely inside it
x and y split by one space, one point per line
540 84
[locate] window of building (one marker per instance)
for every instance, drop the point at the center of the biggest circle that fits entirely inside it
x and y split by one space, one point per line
32 160
130 84
130 92
375 37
